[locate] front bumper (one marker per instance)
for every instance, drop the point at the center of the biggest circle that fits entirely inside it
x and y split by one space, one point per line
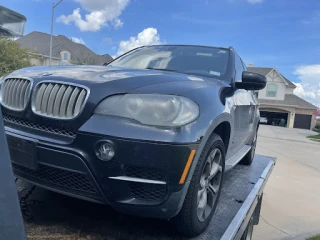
73 169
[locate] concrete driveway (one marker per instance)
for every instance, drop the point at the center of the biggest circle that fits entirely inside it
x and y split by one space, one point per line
290 134
291 204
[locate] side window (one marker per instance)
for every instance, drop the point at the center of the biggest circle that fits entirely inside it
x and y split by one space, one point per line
239 68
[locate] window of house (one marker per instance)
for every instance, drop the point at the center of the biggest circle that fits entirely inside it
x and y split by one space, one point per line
272 90
65 56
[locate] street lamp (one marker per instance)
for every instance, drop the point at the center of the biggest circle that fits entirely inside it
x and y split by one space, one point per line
53 7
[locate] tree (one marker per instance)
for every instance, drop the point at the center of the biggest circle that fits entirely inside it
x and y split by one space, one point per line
12 56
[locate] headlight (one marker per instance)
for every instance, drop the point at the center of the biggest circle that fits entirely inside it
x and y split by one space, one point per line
151 109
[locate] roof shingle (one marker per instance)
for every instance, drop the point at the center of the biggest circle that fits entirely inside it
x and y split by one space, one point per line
289 100
40 42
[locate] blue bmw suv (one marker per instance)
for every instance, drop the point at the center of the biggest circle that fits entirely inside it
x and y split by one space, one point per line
150 134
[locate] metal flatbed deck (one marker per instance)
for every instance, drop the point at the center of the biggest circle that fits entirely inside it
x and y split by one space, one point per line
54 216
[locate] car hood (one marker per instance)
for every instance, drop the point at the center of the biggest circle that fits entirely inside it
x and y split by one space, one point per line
104 80
99 74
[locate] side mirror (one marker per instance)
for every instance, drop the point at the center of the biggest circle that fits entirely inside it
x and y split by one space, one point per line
251 81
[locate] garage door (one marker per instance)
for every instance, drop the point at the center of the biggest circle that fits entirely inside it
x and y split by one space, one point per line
302 121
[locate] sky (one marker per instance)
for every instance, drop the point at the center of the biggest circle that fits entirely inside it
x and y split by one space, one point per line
284 34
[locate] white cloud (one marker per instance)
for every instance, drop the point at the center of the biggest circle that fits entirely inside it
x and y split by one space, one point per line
102 13
254 1
148 36
309 87
78 40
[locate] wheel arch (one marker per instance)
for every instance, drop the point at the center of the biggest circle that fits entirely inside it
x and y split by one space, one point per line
217 126
224 131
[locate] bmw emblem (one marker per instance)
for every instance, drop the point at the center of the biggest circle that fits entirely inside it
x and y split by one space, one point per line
46 74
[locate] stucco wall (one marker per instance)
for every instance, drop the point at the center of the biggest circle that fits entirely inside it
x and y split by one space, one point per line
289 91
36 61
273 77
54 62
41 61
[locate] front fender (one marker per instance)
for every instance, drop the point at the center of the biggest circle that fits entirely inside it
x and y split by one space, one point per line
224 117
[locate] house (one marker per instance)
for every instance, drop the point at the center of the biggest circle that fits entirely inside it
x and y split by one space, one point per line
64 50
317 113
277 101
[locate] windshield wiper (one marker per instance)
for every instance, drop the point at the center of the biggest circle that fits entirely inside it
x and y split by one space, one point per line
167 70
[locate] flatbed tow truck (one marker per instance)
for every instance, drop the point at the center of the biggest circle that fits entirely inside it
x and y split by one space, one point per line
52 216
61 217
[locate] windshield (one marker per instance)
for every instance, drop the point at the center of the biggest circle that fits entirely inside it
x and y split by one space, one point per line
207 61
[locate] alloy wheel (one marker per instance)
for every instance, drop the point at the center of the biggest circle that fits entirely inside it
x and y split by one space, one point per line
210 182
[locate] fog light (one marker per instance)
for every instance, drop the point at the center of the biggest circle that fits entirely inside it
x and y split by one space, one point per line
104 151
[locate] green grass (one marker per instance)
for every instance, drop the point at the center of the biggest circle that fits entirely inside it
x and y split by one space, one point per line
314 238
315 138
317 128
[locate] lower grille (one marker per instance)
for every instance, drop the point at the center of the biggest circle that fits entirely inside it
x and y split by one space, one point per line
57 178
40 127
148 192
144 173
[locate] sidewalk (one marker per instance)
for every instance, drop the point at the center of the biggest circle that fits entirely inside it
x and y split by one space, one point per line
291 204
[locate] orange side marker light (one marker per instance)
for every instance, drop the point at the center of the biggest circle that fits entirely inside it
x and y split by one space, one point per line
187 167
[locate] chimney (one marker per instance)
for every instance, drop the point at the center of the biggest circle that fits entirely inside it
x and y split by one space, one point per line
250 64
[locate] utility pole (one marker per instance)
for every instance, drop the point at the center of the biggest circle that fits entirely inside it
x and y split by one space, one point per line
52 17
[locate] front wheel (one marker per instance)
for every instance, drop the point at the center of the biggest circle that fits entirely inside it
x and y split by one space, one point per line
204 190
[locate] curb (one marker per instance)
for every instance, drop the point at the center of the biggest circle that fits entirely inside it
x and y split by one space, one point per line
292 140
306 235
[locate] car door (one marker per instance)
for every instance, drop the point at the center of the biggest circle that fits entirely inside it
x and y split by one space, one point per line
243 112
254 114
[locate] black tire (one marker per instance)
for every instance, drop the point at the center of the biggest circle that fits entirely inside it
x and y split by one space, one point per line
248 158
187 221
